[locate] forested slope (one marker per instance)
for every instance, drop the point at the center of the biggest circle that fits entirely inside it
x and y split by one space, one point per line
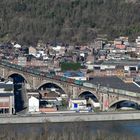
67 20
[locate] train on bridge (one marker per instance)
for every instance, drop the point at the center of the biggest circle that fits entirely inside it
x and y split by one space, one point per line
41 73
86 84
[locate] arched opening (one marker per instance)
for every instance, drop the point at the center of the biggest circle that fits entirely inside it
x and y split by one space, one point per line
52 95
125 105
92 100
52 87
19 92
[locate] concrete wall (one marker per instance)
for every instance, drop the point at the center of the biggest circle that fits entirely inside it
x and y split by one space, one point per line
70 117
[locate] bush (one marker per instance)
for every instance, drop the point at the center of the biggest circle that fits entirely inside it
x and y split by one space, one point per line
70 66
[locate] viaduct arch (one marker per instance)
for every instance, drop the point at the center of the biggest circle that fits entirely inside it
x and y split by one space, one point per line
89 93
54 83
121 100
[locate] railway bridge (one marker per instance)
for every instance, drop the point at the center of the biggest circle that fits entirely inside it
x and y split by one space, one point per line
35 79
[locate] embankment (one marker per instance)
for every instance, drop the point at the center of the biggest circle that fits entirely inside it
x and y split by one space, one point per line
72 117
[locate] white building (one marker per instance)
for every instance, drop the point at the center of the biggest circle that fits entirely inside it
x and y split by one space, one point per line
57 48
33 104
17 46
77 104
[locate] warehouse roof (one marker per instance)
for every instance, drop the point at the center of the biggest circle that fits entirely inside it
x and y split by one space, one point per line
116 83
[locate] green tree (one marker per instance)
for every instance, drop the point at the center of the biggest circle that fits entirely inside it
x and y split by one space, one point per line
70 66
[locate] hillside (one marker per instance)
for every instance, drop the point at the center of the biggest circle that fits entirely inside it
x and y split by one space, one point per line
67 20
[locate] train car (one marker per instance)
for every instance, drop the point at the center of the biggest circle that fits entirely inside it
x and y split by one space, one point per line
52 72
57 77
30 70
42 73
132 94
69 80
78 82
3 63
7 64
37 72
110 89
48 75
19 67
13 65
64 78
89 85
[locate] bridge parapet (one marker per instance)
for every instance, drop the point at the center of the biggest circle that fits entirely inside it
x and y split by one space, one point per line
119 91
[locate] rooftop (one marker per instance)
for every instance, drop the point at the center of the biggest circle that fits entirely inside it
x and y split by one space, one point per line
116 83
120 62
6 94
6 86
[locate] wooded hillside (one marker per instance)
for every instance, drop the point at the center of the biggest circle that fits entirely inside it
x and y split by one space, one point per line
67 20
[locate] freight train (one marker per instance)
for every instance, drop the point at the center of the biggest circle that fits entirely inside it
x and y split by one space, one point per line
68 80
41 73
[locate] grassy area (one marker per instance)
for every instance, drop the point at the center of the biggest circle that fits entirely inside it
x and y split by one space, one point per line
59 131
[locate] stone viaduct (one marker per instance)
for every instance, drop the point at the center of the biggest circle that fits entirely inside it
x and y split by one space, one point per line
106 98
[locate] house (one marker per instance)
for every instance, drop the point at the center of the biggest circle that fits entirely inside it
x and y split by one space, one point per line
90 59
131 70
33 104
52 97
17 46
89 65
49 101
120 46
56 48
42 101
77 75
33 93
7 105
49 94
78 104
32 51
